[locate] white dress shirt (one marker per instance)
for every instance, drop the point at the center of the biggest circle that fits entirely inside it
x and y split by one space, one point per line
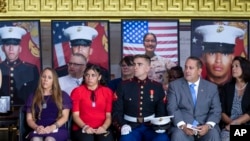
68 83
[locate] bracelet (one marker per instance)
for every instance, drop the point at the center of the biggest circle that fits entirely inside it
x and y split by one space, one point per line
209 126
36 128
84 127
181 127
57 125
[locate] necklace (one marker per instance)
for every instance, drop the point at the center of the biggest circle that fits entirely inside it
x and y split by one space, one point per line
237 88
44 106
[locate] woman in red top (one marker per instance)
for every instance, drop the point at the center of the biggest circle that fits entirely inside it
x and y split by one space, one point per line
92 105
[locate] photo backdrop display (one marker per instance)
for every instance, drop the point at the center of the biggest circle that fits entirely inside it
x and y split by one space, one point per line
62 50
159 39
167 34
20 59
30 42
216 42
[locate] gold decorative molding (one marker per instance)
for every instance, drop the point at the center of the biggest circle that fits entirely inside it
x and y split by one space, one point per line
2 6
115 10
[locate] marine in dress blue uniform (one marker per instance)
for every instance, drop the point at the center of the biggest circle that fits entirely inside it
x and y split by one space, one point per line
19 78
138 101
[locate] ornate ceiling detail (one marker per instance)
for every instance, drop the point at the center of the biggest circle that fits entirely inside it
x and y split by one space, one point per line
117 9
2 6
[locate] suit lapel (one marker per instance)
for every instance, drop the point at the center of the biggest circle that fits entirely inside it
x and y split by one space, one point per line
187 92
200 93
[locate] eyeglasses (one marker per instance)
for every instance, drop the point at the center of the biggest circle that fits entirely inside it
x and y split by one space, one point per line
74 64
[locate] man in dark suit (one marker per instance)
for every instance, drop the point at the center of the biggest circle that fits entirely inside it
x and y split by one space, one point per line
197 109
19 78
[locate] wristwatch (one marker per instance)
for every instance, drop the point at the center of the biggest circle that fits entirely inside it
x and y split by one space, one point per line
181 127
210 126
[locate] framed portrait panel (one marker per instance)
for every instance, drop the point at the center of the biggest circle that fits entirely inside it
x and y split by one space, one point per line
164 44
20 56
65 32
30 41
217 42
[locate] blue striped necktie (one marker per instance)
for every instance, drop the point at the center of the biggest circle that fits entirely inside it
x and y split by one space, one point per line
192 90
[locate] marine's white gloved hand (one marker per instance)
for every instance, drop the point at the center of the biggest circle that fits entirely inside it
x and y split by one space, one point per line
160 131
125 129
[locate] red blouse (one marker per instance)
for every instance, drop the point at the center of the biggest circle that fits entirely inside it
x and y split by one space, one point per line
94 116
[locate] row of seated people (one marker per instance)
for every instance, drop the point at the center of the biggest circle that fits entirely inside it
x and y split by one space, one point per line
48 108
91 105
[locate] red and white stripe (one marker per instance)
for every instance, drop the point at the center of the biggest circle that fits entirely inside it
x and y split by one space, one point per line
61 54
167 41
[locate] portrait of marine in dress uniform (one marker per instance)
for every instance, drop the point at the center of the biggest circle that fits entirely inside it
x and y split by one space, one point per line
156 38
20 59
89 38
217 43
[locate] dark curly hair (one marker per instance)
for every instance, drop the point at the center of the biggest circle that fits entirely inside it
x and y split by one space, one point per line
245 67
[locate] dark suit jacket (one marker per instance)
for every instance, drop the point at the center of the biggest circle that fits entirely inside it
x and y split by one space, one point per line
180 103
227 96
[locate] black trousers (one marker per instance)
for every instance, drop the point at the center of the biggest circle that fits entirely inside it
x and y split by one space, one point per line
79 136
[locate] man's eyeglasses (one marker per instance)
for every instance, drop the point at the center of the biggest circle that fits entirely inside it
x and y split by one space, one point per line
74 64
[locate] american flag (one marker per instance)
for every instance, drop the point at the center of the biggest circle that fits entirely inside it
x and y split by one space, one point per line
62 50
30 42
165 31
